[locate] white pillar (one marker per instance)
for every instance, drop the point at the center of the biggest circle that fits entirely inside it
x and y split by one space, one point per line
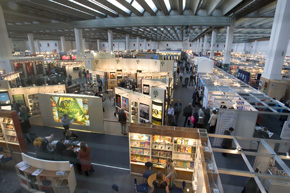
278 41
197 46
236 47
229 43
62 41
127 42
31 43
110 41
138 44
98 45
84 43
37 45
205 44
213 43
150 45
145 42
255 47
200 45
5 48
78 39
245 48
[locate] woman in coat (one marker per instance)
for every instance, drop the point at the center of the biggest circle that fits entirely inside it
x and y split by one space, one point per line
85 158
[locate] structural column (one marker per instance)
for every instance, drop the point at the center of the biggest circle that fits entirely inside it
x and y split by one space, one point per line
31 43
205 45
127 42
5 48
37 45
79 41
236 47
197 47
110 41
255 47
150 45
145 42
213 41
138 44
84 43
98 45
229 43
278 41
62 41
200 45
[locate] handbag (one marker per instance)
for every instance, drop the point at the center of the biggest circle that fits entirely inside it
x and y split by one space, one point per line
192 119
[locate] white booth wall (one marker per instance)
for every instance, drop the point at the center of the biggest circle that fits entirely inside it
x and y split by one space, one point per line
95 111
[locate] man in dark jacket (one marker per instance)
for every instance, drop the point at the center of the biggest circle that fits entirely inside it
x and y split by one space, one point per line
60 147
227 143
191 80
177 109
122 120
187 112
194 97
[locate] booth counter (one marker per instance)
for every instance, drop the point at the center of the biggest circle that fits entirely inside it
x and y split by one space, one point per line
85 112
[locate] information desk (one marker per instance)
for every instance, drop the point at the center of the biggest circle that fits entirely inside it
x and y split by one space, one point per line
47 176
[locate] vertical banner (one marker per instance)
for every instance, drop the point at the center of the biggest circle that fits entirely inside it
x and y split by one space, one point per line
226 119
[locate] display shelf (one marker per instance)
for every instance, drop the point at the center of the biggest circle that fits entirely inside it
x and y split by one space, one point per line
34 104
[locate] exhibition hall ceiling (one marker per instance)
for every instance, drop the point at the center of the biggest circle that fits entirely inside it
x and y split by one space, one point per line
156 20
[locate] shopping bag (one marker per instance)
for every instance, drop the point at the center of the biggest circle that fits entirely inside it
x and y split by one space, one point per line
192 119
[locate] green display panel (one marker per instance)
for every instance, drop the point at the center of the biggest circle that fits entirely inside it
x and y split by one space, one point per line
75 108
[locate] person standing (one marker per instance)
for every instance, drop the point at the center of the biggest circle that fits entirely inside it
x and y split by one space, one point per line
65 123
85 158
170 172
201 116
180 77
191 80
206 117
123 120
59 148
212 122
194 94
187 112
227 143
15 106
177 109
170 113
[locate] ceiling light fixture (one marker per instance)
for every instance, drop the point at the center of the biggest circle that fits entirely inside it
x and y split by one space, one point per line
82 5
183 4
103 6
151 5
137 6
70 7
119 5
167 3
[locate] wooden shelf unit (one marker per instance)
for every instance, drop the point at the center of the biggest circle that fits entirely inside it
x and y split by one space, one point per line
47 179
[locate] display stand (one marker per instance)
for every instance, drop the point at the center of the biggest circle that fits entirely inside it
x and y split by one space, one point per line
11 136
189 149
48 176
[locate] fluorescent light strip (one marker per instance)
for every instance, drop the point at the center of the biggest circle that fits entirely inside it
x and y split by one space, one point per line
167 3
151 5
183 4
137 6
70 7
79 4
119 5
103 6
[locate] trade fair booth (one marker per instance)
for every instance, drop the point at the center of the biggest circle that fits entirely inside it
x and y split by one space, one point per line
27 66
85 112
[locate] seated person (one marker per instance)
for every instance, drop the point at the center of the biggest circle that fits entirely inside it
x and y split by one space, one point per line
43 149
159 185
69 155
70 135
60 147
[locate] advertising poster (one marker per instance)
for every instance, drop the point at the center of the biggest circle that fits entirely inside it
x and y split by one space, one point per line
19 67
75 108
29 68
125 103
144 111
157 113
145 89
19 98
118 100
112 75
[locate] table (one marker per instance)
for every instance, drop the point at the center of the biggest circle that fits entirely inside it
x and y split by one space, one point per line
152 178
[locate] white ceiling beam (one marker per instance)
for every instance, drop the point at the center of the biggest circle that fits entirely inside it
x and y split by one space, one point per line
229 5
212 5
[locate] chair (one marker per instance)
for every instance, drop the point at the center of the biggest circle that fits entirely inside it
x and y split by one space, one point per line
115 188
148 172
178 190
141 187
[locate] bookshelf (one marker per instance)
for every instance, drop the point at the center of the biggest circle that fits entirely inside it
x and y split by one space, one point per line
48 176
11 137
34 104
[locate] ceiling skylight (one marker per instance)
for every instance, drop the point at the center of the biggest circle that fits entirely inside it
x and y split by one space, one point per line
75 2
167 3
119 5
151 5
69 7
137 6
103 6
183 5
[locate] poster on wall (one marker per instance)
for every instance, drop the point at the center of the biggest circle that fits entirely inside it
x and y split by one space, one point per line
125 104
29 68
118 100
112 75
144 111
38 66
75 108
146 89
157 111
19 98
19 67
119 73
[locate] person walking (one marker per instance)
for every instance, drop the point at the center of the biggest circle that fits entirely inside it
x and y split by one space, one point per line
123 120
190 80
212 122
65 123
194 95
170 113
227 143
195 115
170 172
201 116
180 77
187 112
177 109
85 158
206 117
